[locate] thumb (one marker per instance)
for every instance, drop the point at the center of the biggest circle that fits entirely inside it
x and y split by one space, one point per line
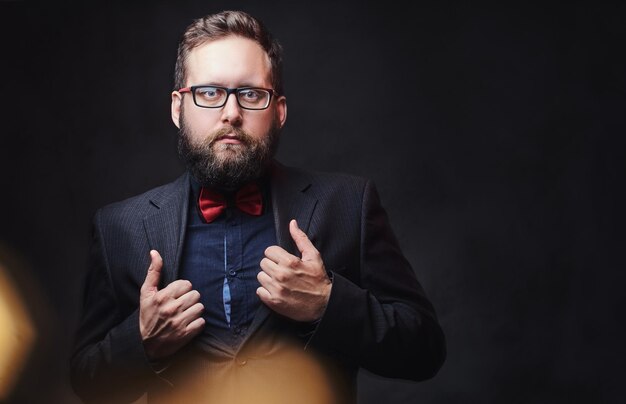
154 272
306 248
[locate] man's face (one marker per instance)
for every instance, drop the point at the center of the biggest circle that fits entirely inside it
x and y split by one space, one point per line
226 147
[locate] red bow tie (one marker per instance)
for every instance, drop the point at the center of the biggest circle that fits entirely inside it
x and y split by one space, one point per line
248 199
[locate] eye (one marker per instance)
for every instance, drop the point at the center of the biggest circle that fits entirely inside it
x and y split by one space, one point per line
249 94
209 93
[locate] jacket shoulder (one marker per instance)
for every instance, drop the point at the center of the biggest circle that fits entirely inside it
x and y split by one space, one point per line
138 205
324 182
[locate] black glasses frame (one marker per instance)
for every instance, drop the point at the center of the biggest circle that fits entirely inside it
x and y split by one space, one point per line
229 91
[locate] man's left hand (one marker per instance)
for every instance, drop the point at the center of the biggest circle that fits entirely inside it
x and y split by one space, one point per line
297 288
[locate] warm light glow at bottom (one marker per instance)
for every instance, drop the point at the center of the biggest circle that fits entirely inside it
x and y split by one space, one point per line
281 376
16 334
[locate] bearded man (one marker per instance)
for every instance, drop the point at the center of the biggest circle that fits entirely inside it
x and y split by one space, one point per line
245 280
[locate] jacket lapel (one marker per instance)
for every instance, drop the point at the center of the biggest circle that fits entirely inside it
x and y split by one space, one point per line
165 225
289 201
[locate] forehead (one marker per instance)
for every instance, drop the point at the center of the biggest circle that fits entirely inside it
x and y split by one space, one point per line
230 61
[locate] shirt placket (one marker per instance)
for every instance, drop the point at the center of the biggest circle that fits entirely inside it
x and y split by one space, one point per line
233 267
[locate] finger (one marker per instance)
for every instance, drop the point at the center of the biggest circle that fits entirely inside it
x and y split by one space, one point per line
177 288
195 327
276 254
264 295
151 283
268 266
265 280
189 299
302 241
192 313
182 319
282 257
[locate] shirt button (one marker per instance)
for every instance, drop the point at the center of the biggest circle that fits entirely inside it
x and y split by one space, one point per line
241 362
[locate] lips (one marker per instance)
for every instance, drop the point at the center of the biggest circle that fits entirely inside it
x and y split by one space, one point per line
230 135
228 139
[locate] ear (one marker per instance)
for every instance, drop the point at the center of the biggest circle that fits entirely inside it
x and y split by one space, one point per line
281 110
177 99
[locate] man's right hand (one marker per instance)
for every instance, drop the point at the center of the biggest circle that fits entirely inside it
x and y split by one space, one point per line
168 318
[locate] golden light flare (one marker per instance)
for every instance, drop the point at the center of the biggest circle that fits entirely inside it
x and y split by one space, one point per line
286 375
17 334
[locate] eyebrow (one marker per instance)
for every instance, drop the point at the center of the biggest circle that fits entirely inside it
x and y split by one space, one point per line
221 85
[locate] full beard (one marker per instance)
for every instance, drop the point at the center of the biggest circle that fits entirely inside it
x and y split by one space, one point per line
226 167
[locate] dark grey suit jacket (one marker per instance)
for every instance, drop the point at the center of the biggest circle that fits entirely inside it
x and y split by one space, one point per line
378 316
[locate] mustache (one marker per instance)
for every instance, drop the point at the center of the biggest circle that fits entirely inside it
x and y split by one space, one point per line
232 132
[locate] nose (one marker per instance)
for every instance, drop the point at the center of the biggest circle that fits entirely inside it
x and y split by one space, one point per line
231 111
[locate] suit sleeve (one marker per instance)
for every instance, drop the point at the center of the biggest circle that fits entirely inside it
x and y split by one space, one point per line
108 363
382 322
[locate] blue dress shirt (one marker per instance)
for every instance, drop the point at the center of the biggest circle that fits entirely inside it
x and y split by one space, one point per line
221 260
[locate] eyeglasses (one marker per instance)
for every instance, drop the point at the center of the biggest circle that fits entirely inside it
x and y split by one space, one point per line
216 97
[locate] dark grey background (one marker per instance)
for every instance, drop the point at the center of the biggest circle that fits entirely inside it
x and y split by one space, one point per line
494 133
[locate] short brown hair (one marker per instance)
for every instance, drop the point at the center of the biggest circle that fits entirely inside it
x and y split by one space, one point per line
220 25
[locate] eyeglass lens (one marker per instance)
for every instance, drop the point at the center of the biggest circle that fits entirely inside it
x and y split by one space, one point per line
214 97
